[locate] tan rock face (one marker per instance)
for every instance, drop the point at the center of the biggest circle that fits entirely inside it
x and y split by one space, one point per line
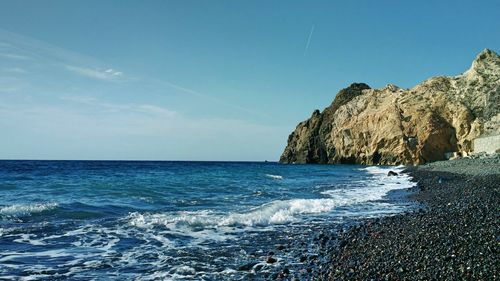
403 126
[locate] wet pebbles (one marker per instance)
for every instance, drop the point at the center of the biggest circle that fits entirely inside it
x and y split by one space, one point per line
456 237
453 235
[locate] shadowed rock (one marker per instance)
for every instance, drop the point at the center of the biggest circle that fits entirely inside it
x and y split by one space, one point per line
392 173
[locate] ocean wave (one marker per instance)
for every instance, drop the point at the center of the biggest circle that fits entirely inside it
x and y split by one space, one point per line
195 239
276 177
376 187
208 225
23 210
273 213
383 170
282 211
174 220
185 270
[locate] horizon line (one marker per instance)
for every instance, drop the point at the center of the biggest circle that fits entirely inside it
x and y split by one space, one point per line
140 160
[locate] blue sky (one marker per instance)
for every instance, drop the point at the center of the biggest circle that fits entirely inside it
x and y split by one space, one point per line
210 80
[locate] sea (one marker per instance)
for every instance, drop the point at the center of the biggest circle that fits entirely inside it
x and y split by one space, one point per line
174 220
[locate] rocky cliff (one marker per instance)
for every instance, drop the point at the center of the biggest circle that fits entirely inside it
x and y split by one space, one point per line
403 126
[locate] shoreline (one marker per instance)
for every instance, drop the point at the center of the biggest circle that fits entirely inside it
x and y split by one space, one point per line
452 233
454 237
307 254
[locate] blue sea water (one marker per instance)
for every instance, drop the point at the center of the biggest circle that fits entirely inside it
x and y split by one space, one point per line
145 220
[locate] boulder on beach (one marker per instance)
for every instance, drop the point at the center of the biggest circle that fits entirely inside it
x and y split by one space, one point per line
392 173
271 260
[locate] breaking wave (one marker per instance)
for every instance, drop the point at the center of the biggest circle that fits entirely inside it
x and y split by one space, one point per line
281 211
23 210
194 221
276 177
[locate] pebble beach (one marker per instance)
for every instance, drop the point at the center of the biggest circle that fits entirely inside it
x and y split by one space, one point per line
454 236
452 233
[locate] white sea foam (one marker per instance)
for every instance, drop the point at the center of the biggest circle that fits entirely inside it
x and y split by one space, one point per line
280 211
176 220
185 270
378 185
22 210
12 255
157 233
276 177
29 239
201 226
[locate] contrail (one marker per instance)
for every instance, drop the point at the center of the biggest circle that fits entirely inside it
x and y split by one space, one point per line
309 40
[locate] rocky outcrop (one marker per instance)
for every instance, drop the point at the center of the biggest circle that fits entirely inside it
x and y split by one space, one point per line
391 125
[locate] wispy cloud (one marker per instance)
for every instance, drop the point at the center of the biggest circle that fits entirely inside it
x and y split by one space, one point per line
134 132
309 39
120 107
79 99
23 47
133 118
10 83
42 54
9 90
4 44
45 55
155 110
107 74
211 98
14 56
17 70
